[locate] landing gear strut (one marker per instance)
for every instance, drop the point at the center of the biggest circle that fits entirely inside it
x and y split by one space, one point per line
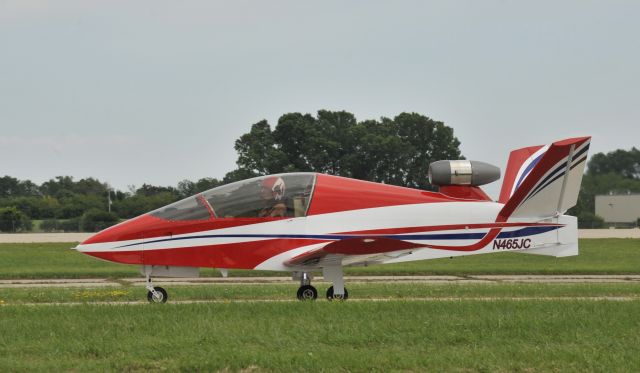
156 294
306 291
334 274
332 296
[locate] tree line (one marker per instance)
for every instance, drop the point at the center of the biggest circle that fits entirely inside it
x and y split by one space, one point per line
64 204
616 172
395 151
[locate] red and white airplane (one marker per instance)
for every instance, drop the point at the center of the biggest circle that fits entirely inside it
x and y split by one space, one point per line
306 222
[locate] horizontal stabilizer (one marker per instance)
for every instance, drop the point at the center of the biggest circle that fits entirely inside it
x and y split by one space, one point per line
559 243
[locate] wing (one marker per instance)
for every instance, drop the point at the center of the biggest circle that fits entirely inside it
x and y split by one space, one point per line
351 251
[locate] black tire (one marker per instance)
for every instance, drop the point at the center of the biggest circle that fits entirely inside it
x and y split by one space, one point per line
307 292
330 295
161 292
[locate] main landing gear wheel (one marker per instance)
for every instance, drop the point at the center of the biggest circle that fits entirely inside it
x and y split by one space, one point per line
331 296
307 292
159 295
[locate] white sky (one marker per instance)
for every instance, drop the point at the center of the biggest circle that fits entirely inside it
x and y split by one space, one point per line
157 91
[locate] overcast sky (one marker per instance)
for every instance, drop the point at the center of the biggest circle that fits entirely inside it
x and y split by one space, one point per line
135 92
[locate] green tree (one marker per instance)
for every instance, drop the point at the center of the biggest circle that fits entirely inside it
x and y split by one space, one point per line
589 220
258 152
94 220
150 190
55 225
33 207
12 187
237 175
395 151
90 186
70 225
617 171
62 186
139 204
12 220
58 187
188 188
625 163
76 204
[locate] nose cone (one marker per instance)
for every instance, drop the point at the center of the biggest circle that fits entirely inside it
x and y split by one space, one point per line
120 243
129 230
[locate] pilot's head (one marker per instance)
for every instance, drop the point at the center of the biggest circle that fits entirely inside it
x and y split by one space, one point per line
272 188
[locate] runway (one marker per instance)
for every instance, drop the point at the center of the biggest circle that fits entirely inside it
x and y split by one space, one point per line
488 279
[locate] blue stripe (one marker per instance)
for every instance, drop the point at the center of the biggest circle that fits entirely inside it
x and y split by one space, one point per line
528 169
554 179
528 231
554 175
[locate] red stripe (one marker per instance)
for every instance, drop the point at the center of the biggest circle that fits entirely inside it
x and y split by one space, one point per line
490 236
206 204
382 245
516 160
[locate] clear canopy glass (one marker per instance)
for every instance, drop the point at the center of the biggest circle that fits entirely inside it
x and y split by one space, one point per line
284 195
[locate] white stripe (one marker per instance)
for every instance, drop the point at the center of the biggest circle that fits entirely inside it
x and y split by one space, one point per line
524 167
427 214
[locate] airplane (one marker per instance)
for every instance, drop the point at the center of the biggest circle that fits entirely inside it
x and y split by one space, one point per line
308 222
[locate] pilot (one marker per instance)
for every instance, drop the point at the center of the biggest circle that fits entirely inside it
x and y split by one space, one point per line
272 193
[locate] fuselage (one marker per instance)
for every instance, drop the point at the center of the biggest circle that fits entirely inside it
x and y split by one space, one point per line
221 228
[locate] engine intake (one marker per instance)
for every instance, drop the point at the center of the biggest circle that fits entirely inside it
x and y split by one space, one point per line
462 172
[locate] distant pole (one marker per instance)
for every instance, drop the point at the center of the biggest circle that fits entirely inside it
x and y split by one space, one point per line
109 199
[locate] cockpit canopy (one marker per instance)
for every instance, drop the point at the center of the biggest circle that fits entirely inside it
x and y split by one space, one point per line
289 194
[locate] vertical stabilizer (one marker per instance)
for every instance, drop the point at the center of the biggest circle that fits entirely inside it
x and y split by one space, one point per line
543 181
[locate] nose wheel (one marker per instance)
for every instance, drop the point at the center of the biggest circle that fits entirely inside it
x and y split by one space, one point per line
157 295
307 292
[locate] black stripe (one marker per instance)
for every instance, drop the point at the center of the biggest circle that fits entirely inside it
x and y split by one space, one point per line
556 178
551 175
544 182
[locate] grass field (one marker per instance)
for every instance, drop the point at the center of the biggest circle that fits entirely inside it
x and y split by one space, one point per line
457 336
597 256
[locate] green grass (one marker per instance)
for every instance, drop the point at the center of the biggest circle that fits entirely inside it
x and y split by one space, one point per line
597 256
56 260
452 336
12 296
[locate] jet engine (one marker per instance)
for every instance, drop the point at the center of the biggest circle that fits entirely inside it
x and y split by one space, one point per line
462 172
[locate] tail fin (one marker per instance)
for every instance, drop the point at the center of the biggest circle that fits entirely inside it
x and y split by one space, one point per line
543 181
